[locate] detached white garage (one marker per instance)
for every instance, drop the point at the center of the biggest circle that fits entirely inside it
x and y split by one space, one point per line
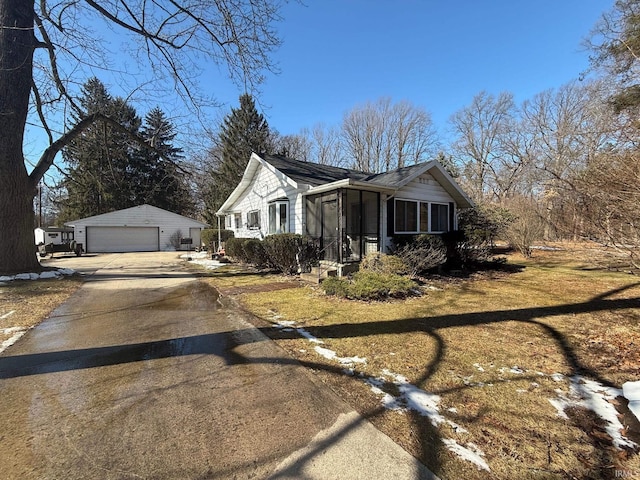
137 229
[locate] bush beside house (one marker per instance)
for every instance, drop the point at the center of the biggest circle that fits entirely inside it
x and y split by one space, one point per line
210 238
287 253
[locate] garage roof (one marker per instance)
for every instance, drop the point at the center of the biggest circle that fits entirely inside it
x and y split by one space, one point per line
142 215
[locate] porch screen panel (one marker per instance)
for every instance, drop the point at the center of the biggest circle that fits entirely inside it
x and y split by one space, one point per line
352 241
312 219
370 222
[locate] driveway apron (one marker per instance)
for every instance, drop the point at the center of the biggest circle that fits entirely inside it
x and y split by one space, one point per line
145 373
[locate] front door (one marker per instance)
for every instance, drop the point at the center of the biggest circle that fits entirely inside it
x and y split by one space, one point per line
330 230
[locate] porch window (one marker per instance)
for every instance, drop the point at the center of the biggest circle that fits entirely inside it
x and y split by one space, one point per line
279 217
253 220
406 216
439 217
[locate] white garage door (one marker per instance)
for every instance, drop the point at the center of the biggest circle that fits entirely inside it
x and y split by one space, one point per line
122 239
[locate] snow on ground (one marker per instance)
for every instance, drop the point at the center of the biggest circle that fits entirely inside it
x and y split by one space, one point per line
286 325
410 397
15 332
631 391
60 272
596 397
583 392
203 259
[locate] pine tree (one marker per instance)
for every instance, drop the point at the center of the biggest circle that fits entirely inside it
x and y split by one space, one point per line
161 180
101 174
243 131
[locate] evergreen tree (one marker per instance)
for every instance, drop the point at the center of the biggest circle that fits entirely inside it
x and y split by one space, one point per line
101 175
243 131
160 179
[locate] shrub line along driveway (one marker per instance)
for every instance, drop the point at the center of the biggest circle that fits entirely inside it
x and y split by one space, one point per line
145 373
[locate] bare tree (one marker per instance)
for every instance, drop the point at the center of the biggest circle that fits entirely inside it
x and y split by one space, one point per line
382 136
296 146
610 193
46 48
327 145
615 42
568 127
482 131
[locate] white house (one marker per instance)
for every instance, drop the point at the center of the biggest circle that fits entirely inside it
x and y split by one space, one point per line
55 235
349 212
137 229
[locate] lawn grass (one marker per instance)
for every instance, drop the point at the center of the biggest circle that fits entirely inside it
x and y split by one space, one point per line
489 346
25 303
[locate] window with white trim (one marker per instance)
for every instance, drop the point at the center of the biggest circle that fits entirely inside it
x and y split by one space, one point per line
406 218
279 217
412 216
439 217
253 220
238 221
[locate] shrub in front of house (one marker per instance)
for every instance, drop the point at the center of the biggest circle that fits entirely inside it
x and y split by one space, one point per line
337 286
254 253
234 249
209 238
368 285
290 253
422 255
382 263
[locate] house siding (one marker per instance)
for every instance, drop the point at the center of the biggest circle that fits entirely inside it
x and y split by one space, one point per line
142 216
266 186
424 188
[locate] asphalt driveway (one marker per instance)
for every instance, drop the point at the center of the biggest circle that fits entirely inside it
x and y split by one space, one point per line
146 373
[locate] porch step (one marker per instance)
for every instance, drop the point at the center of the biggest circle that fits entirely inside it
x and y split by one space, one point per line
318 274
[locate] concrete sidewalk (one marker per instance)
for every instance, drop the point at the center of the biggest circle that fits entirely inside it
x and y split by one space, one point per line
144 373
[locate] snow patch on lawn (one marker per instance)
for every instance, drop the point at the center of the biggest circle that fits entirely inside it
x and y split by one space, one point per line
59 273
15 332
470 453
631 391
598 398
203 259
410 397
287 325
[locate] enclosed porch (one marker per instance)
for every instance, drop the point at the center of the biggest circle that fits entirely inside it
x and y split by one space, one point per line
345 222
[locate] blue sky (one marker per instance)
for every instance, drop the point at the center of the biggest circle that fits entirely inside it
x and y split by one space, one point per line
435 54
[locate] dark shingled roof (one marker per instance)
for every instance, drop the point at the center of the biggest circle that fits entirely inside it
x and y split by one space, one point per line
315 174
397 177
312 174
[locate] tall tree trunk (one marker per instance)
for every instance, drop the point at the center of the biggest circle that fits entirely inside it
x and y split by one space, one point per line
17 190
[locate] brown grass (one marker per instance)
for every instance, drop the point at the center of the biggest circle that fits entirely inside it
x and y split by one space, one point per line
32 301
562 313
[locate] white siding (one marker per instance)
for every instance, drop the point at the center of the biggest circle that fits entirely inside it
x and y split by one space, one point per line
425 188
143 216
266 187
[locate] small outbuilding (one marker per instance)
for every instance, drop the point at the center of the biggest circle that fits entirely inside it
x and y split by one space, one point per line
55 235
144 228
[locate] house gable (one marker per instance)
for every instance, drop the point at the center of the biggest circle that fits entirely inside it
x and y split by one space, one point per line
246 211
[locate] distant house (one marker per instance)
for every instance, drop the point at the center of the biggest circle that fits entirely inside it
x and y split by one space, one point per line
55 235
350 213
137 229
